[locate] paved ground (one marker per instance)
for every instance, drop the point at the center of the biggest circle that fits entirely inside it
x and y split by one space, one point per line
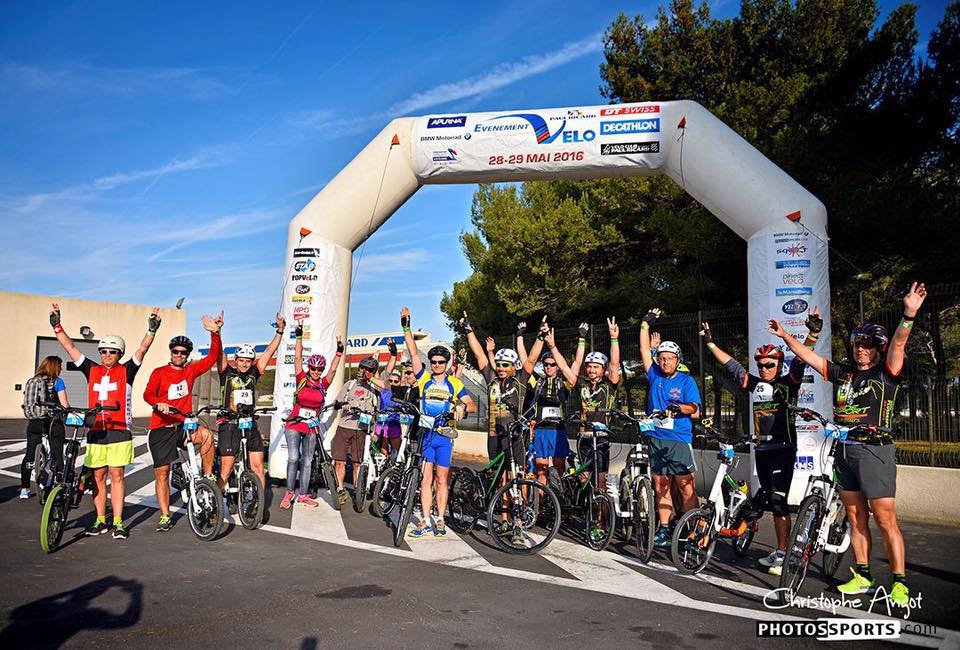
313 578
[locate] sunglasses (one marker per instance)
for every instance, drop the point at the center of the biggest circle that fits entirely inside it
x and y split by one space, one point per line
109 351
766 366
667 356
549 365
408 372
314 368
179 353
438 362
864 342
504 365
394 381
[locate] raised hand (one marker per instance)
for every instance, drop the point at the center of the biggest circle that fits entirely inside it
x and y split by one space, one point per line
914 299
814 321
706 333
404 317
491 344
613 327
298 330
55 315
544 328
340 347
465 323
775 328
584 330
219 320
392 347
210 324
153 322
462 355
521 327
281 322
651 316
548 338
655 339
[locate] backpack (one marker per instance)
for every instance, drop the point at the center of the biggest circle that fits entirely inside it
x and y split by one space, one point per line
37 389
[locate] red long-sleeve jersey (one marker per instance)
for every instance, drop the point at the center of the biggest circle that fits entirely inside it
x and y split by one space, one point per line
174 386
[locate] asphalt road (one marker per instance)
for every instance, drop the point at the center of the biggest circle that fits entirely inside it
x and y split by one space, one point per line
312 578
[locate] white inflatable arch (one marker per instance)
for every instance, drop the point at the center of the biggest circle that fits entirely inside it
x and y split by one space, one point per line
787 262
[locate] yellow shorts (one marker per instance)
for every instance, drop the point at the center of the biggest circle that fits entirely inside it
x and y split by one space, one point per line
114 454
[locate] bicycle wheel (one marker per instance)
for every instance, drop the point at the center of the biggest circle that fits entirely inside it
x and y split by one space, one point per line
466 500
330 481
41 472
406 508
385 492
523 516
250 498
205 512
644 518
803 538
838 530
742 544
599 521
53 519
693 541
360 488
625 523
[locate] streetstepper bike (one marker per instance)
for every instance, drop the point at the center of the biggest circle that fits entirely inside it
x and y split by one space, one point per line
386 493
201 496
243 488
522 515
44 467
65 491
321 465
821 525
632 495
729 512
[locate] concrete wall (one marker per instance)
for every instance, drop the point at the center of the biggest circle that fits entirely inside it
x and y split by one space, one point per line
27 317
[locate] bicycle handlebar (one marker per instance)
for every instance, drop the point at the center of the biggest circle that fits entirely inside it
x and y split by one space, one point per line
809 414
60 408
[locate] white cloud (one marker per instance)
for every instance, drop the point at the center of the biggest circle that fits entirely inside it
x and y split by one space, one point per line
174 166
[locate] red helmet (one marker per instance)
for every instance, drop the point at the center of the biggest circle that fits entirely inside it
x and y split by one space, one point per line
768 352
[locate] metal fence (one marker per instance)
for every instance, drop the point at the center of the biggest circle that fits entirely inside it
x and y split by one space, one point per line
928 403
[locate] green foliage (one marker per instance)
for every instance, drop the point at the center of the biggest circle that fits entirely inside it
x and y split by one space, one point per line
841 103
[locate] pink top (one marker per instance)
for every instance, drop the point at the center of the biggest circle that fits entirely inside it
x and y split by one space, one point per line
309 400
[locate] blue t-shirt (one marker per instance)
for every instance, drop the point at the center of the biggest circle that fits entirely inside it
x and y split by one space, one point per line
664 391
59 385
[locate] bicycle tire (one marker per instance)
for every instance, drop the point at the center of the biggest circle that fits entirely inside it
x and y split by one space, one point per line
625 524
406 508
40 470
531 504
694 526
384 497
53 519
742 543
250 500
464 499
360 487
644 518
599 521
330 481
206 523
831 561
802 539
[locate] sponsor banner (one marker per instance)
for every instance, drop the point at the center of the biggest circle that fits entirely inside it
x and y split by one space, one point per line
449 146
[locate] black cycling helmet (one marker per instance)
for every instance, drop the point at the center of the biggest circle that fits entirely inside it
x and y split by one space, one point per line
369 364
873 331
439 351
181 341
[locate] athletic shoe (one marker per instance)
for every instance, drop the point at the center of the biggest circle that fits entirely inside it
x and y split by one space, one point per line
164 524
304 499
857 585
663 538
119 532
769 560
900 594
98 528
287 499
419 531
439 529
776 568
342 496
25 493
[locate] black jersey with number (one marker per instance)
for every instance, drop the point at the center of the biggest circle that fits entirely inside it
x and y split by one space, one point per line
238 390
862 397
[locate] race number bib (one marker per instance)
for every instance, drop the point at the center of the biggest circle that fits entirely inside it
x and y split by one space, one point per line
763 392
307 413
178 390
245 423
243 396
551 413
663 423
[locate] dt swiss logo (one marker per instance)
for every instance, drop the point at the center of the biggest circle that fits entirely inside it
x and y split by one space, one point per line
446 122
304 266
530 120
795 250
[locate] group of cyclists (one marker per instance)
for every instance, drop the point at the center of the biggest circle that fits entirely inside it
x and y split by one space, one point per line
540 381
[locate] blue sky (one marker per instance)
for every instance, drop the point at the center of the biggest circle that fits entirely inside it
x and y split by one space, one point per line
160 151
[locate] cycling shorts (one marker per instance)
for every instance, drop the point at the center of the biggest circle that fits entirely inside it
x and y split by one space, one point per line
165 444
437 449
496 444
671 458
871 469
550 442
113 454
775 473
348 442
585 451
229 435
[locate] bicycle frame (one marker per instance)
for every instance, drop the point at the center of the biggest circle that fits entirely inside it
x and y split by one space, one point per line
825 486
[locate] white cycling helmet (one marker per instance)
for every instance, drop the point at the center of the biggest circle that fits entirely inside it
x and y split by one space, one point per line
245 351
112 342
597 357
670 346
506 354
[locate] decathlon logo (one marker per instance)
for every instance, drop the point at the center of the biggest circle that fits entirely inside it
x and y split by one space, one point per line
528 121
620 127
446 122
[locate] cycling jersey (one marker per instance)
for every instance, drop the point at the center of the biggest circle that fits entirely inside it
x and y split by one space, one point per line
363 396
174 386
862 397
308 400
238 390
550 395
503 395
592 401
110 386
770 401
681 388
438 396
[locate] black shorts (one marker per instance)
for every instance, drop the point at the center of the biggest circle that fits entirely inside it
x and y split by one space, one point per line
585 451
496 444
164 444
229 435
871 469
775 473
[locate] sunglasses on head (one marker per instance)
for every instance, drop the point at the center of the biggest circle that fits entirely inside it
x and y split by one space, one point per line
109 351
438 362
179 353
504 365
767 366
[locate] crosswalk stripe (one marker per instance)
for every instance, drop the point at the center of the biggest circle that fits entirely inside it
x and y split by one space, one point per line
321 523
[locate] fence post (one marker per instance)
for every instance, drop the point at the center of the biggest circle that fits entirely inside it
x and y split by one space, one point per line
703 363
930 418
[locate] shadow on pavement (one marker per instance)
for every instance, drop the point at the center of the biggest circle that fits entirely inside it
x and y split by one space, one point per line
12 492
52 621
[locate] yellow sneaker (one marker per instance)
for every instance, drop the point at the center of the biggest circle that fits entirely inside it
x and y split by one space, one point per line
900 594
857 585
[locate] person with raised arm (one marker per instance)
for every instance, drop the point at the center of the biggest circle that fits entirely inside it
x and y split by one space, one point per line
864 399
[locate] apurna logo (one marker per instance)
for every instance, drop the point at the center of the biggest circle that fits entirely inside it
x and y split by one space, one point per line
446 122
529 120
